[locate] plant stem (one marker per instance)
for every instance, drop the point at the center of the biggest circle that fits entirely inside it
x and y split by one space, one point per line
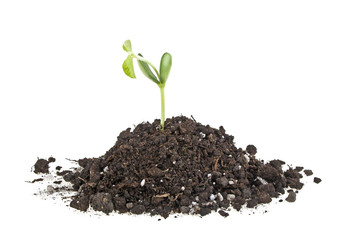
160 85
162 96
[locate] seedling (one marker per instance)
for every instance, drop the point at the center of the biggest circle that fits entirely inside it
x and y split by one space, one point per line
159 78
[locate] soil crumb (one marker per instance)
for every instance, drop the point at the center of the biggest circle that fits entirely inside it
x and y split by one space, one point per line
308 172
317 180
41 166
251 149
291 197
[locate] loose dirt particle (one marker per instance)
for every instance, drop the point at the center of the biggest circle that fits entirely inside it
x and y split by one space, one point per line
317 180
63 173
41 166
223 213
102 202
50 189
252 203
138 209
129 205
80 202
251 149
308 172
204 211
299 169
291 197
184 209
37 180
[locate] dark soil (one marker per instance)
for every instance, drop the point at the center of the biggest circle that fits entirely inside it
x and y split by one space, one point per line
317 180
299 169
251 149
291 197
308 172
187 168
37 180
41 166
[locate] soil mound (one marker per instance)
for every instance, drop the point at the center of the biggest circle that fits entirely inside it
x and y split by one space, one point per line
187 168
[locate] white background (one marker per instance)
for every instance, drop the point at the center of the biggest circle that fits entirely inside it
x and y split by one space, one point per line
273 73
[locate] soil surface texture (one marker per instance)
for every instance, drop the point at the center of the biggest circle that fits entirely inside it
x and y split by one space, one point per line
188 168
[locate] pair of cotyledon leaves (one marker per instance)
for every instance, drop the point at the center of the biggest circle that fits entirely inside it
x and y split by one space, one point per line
164 71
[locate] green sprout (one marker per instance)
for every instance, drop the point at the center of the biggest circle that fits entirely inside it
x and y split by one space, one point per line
159 78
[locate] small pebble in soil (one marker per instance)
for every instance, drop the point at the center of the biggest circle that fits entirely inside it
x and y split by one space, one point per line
50 189
50 177
129 205
220 197
230 197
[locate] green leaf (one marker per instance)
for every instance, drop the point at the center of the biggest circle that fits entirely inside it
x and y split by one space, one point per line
165 67
146 70
128 67
127 46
